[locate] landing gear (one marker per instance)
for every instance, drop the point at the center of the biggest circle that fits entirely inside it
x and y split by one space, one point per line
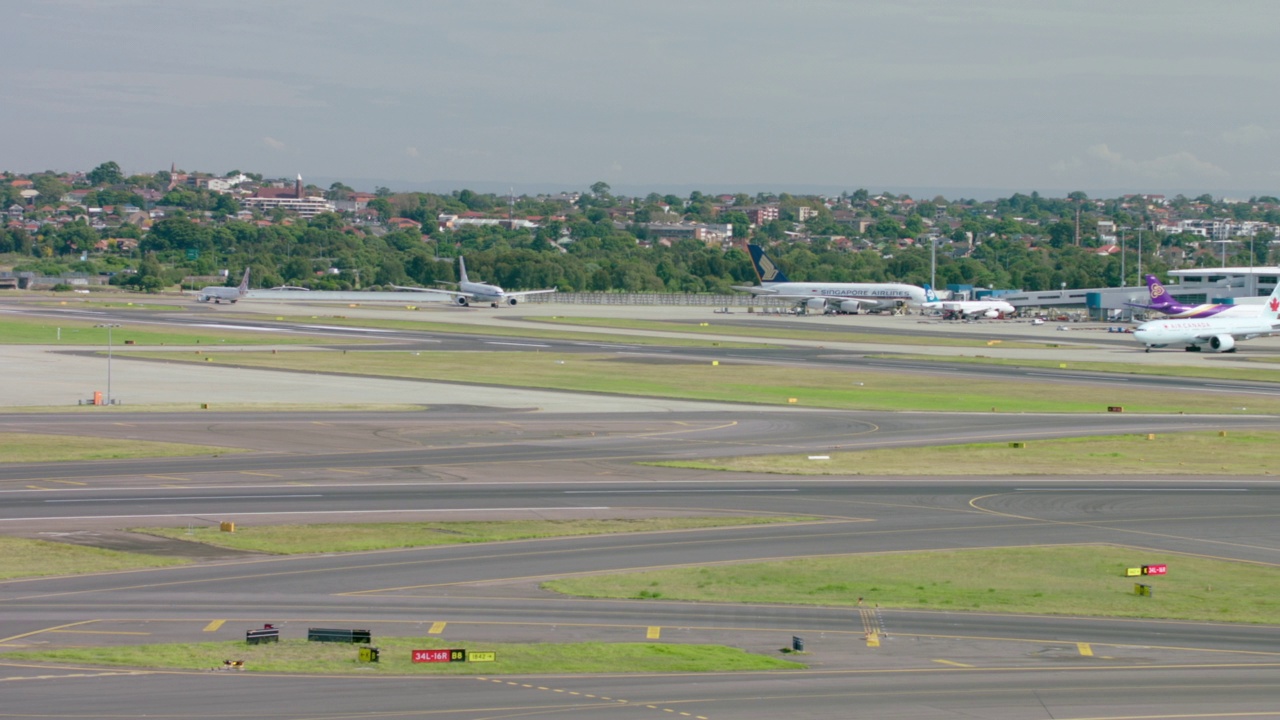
1192 348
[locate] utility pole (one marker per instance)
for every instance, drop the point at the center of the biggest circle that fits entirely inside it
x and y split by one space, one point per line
109 327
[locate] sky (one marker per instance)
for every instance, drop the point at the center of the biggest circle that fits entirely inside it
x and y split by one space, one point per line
960 98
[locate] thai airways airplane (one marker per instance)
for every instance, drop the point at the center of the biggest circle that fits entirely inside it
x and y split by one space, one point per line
470 291
1219 332
967 308
218 293
1161 302
828 297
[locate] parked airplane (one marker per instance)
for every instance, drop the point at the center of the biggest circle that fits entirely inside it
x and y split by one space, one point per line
828 297
470 291
1162 302
1219 332
218 293
967 308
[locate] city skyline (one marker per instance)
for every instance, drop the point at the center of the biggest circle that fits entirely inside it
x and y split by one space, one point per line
977 99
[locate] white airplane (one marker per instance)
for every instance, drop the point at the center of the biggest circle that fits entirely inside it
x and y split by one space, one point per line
218 293
828 297
1220 332
470 291
967 308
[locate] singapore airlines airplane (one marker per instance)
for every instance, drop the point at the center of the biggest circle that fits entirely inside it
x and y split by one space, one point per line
1218 332
828 297
968 308
218 293
470 291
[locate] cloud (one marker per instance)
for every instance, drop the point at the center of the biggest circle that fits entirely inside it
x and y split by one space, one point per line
273 143
1181 165
411 151
1246 135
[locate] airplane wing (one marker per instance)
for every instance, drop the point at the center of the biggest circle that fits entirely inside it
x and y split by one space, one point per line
522 293
836 298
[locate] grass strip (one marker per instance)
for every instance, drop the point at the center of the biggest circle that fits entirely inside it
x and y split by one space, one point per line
39 558
331 538
734 381
520 331
1235 369
76 333
833 334
29 448
1200 453
1064 580
396 653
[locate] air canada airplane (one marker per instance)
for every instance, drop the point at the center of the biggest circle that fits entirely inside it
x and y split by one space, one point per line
833 297
470 291
967 308
1161 302
219 293
1219 332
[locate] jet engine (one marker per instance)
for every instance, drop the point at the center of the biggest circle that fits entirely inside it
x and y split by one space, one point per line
849 306
460 300
511 301
1222 343
991 314
817 304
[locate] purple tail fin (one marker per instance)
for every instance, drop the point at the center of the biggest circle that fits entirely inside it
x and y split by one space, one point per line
1160 299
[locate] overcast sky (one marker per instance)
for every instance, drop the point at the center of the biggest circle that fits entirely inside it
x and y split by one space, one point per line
959 97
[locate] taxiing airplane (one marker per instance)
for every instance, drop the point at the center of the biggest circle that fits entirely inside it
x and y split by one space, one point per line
1219 332
470 291
219 293
1163 303
962 309
828 297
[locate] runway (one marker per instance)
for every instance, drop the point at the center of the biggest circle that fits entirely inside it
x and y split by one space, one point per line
473 462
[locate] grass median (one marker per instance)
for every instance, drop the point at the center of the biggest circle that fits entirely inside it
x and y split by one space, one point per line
738 381
1203 453
41 558
396 657
1065 580
34 448
77 333
345 537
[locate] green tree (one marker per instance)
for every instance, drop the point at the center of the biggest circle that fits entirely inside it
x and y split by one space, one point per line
108 173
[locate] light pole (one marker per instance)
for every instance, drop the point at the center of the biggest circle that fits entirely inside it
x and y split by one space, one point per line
108 326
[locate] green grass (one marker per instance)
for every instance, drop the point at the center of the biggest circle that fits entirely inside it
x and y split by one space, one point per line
291 539
1235 369
38 558
513 330
28 448
732 381
841 335
1071 580
395 657
20 331
1204 453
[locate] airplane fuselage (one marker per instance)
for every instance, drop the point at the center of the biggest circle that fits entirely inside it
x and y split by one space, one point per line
1216 333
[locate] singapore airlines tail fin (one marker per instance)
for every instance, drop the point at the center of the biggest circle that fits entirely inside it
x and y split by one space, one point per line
766 271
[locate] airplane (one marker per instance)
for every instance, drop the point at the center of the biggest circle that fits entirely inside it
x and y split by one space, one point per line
470 291
967 308
1219 332
218 293
828 297
1162 302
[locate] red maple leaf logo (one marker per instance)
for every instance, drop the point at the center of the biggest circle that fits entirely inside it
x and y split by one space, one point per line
1274 304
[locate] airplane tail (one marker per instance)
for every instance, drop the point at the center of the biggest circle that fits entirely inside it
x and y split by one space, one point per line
1273 304
766 271
929 294
1159 298
243 287
462 270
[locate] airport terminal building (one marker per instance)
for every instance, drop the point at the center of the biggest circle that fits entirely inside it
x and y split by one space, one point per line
1241 285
